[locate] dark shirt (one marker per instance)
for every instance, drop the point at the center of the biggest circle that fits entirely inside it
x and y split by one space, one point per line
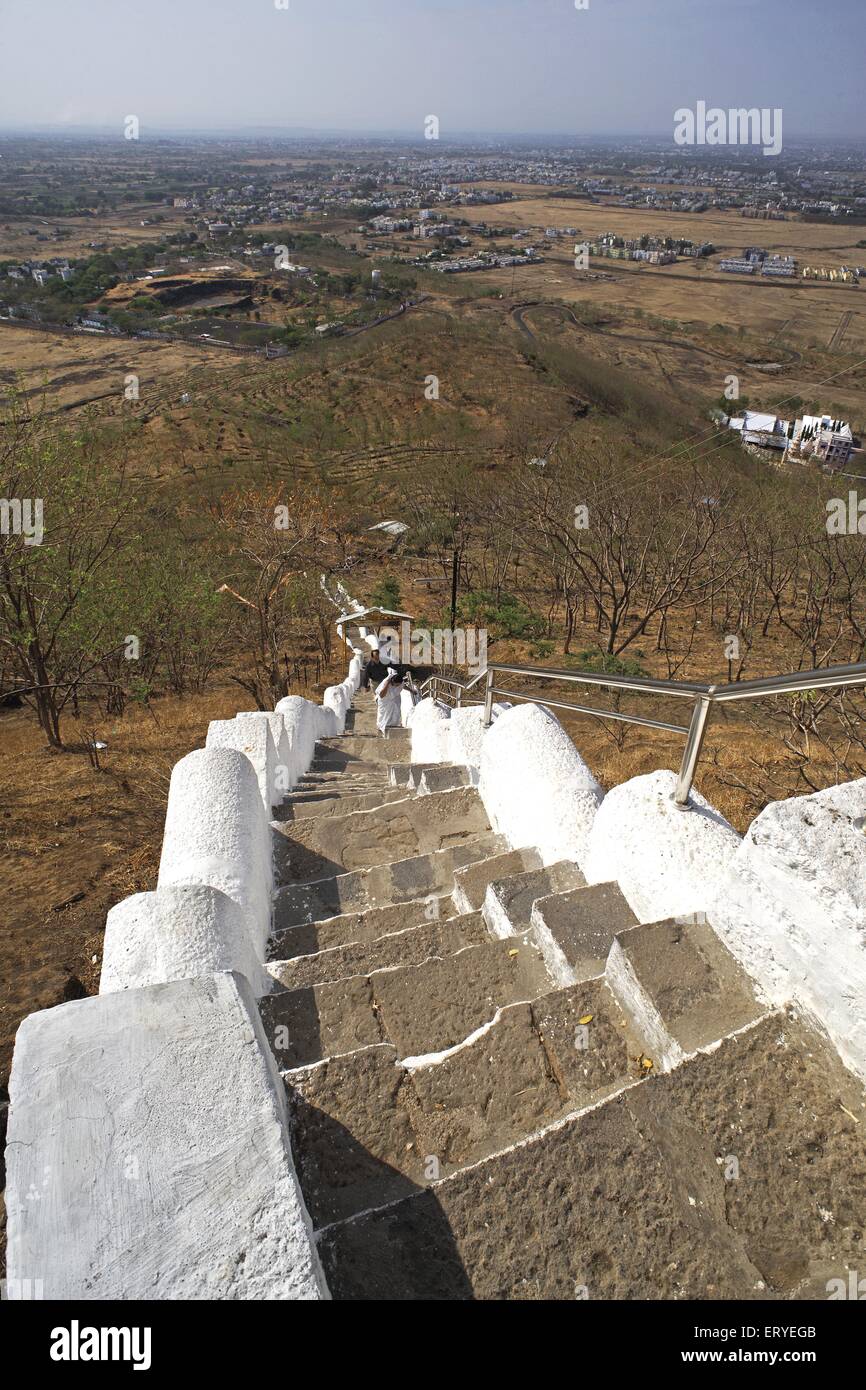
374 673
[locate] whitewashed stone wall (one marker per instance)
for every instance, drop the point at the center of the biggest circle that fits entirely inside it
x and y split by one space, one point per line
667 860
151 1124
537 789
157 1108
792 908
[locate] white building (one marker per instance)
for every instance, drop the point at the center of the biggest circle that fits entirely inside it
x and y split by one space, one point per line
823 438
767 431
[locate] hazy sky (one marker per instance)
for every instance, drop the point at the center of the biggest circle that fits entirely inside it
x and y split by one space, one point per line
522 66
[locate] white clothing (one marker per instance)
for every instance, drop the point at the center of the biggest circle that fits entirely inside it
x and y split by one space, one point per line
387 705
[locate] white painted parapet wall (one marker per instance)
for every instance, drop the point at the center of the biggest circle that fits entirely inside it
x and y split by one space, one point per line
151 1120
789 900
792 908
667 861
151 1125
180 931
217 833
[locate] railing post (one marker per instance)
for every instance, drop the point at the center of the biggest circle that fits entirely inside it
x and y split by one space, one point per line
692 750
488 700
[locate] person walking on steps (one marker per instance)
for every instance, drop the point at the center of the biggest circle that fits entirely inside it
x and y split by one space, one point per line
388 694
374 672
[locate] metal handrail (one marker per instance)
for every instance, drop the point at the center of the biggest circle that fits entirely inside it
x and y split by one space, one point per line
433 683
704 697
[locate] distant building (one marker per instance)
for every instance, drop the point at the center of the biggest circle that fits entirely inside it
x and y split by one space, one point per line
779 265
823 438
811 437
767 431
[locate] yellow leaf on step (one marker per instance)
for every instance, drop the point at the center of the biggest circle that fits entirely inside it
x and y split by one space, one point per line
514 953
587 1018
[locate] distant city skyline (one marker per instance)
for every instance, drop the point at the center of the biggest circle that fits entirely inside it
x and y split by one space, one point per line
485 68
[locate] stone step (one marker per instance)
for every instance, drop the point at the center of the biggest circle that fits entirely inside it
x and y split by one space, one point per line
575 930
441 779
535 1064
427 1008
309 850
471 883
420 876
729 1177
420 1009
363 748
398 737
682 985
315 804
408 945
305 1025
352 1137
370 774
409 774
349 927
338 765
509 901
340 787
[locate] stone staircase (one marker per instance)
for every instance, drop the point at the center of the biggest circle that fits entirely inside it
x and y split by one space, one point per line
503 1086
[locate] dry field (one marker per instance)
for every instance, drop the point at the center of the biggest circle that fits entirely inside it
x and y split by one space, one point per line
77 370
726 229
122 228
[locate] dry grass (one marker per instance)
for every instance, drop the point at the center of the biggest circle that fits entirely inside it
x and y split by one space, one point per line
74 840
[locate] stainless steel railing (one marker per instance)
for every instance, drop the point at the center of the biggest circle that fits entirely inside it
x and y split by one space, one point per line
447 690
703 698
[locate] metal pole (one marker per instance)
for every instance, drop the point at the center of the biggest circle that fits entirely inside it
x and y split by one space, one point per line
488 700
692 750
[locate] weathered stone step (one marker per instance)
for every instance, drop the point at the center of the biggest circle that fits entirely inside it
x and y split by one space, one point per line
441 779
434 1006
534 1065
428 777
352 1137
372 775
575 930
471 883
730 1177
305 1025
681 983
341 787
312 805
409 774
400 741
408 945
309 850
368 748
420 876
509 901
419 1008
344 767
308 937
